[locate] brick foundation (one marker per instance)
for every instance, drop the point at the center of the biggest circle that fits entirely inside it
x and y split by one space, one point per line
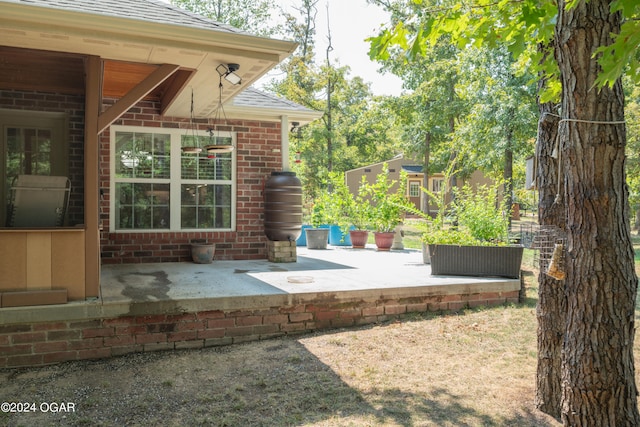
53 342
282 251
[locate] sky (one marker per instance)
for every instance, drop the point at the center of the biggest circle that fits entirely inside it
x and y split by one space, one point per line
351 22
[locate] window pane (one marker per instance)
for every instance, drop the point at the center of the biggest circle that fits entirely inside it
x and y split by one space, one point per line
188 217
142 206
125 159
143 155
206 206
203 166
161 156
222 206
143 152
189 163
205 217
414 189
28 152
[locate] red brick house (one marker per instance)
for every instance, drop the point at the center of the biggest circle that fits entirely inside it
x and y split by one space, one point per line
104 93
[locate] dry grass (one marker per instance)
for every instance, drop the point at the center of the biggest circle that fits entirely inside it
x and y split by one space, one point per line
473 368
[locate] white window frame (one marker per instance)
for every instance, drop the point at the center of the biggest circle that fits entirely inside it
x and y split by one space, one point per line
437 182
175 182
414 185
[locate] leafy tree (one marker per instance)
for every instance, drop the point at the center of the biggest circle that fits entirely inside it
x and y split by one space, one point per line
632 114
568 42
357 128
428 113
500 124
253 16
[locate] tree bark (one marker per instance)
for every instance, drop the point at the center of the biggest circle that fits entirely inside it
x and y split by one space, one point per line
551 307
598 385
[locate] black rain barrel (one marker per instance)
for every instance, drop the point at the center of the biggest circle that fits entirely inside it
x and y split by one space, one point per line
283 207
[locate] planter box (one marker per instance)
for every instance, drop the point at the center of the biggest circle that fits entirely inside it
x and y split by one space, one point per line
500 261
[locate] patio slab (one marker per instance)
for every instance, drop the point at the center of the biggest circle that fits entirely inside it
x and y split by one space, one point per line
336 269
334 274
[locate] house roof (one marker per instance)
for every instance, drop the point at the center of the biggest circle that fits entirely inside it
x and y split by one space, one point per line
144 10
129 33
412 168
396 159
266 106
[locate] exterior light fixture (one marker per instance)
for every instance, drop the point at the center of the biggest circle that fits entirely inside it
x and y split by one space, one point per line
228 71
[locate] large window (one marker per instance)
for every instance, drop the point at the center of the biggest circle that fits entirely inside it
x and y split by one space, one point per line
158 187
31 143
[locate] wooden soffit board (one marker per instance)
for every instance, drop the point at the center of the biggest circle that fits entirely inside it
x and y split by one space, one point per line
59 72
157 77
36 70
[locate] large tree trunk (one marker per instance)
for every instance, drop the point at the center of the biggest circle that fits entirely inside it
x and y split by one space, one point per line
598 385
551 306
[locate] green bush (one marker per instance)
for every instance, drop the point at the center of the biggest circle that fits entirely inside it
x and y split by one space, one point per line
478 212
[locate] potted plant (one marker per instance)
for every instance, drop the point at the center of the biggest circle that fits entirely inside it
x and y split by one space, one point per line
318 233
338 209
388 205
359 217
475 242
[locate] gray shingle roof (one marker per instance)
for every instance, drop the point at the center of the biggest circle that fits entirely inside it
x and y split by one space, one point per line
142 10
412 168
254 98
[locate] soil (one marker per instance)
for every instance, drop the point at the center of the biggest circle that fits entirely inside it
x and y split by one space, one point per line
475 368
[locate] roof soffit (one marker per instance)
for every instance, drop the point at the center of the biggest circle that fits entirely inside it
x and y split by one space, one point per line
114 38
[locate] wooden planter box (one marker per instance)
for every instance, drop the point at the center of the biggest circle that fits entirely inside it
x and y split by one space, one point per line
452 260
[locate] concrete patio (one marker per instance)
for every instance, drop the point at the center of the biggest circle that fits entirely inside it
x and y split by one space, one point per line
337 270
334 274
165 306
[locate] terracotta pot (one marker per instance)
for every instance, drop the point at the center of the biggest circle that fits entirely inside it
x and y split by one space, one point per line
384 240
359 238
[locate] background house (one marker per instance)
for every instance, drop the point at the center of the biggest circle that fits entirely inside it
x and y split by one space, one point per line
104 93
415 178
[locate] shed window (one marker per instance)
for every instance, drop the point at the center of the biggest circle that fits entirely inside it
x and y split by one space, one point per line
414 189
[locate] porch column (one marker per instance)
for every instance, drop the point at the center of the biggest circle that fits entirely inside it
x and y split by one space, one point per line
93 99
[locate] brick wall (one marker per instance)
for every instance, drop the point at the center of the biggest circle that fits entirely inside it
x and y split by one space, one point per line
258 154
73 107
47 343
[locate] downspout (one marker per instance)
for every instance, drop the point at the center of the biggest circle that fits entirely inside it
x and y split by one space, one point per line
284 140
